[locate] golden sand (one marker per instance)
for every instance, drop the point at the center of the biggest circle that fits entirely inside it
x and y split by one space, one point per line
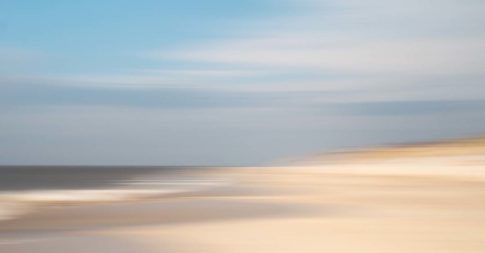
428 199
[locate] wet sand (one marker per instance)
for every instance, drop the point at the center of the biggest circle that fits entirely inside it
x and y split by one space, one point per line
434 202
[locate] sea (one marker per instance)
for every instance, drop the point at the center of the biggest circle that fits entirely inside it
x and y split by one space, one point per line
23 189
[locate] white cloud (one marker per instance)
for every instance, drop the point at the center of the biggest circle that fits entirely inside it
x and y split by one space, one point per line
141 79
377 37
412 57
381 48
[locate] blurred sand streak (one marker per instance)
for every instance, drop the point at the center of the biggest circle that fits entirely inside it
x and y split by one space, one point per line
427 198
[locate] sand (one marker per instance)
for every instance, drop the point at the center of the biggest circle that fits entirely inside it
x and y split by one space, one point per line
433 202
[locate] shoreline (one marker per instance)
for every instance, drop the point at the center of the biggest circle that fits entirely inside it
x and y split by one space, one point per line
430 203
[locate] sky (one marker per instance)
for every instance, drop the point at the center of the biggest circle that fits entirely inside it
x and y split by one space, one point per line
245 82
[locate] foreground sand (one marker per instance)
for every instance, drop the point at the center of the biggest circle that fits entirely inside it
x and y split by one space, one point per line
431 202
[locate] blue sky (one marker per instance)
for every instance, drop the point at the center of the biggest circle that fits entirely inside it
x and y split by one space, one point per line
234 82
95 36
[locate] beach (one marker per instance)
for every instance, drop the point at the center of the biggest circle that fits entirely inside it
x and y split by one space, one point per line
421 198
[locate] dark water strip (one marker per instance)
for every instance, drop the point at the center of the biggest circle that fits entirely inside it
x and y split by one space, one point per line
76 177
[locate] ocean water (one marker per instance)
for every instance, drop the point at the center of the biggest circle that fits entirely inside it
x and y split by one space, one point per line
25 188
